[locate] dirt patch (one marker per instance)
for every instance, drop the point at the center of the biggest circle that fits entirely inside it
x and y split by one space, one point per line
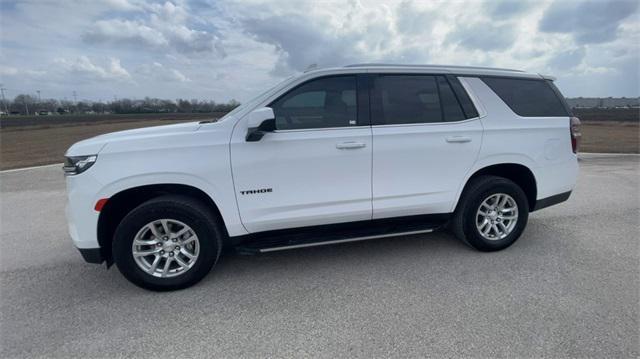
24 147
33 146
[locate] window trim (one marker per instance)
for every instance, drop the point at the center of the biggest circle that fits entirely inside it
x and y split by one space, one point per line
359 120
435 75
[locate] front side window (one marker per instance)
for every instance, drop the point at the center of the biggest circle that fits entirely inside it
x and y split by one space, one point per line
321 103
405 99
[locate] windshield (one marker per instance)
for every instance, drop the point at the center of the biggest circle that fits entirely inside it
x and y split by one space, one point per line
256 99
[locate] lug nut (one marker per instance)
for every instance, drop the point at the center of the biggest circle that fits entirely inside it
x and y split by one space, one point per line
161 252
177 248
165 238
170 254
158 244
175 239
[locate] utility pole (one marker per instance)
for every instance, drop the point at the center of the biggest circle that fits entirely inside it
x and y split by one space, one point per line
75 99
39 99
4 101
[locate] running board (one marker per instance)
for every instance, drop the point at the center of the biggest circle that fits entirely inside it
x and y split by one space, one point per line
280 240
338 241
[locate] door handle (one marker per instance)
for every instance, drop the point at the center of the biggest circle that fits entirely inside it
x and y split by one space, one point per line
350 145
458 139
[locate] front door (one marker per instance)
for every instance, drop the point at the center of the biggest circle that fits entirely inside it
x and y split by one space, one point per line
315 168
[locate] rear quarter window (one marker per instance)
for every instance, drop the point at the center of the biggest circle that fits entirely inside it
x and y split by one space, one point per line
528 97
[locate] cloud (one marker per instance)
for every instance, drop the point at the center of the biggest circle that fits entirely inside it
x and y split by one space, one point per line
590 22
116 70
116 31
300 43
13 71
123 5
226 49
484 35
8 70
500 9
567 59
83 68
412 20
163 29
157 71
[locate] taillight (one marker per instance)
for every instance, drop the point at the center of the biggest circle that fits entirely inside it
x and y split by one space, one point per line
576 135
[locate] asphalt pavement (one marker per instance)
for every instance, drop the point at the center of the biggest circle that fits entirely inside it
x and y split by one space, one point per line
568 288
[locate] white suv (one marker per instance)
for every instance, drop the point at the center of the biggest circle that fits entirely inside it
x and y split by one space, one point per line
331 155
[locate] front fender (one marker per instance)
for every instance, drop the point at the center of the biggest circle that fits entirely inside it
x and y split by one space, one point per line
223 197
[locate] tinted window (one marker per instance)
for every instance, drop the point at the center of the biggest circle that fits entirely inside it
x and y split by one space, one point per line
400 99
450 107
462 95
325 102
528 98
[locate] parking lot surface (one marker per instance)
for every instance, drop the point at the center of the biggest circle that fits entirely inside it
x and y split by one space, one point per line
568 288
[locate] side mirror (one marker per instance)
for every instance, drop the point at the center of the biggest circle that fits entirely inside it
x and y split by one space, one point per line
260 122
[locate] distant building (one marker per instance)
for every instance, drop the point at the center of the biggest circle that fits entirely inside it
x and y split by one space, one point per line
604 102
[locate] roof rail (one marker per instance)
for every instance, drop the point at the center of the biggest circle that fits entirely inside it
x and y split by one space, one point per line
432 66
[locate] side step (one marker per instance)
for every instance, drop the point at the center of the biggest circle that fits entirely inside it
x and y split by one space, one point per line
331 234
336 241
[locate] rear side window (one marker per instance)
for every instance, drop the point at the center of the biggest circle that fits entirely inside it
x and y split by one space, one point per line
528 97
320 103
450 107
405 99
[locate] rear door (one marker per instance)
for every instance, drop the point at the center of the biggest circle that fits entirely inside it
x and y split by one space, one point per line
426 137
315 168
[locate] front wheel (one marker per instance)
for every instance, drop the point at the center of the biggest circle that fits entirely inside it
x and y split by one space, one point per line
167 243
492 213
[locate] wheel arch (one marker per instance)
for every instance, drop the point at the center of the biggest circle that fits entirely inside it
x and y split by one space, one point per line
520 174
121 203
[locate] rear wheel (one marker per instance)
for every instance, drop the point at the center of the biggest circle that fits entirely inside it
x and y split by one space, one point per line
167 243
492 213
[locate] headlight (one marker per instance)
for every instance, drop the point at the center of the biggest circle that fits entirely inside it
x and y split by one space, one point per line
74 165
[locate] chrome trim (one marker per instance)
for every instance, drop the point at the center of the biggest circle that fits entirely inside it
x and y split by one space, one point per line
321 129
429 124
356 239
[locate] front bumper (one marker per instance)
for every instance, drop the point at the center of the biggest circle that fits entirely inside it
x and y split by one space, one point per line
82 218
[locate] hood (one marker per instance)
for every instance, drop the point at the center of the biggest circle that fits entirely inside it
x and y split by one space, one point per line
94 145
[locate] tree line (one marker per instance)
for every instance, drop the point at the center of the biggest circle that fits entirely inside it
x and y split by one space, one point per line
25 104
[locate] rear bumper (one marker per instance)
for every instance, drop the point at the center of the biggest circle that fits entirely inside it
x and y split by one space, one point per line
91 255
552 200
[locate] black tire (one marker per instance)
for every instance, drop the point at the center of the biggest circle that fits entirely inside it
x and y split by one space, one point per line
463 224
184 209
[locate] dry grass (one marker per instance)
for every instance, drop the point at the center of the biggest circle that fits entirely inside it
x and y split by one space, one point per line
610 137
23 147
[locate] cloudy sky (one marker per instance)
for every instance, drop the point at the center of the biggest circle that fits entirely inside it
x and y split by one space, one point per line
212 49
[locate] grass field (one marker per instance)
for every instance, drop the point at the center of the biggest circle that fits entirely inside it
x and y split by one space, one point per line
37 145
610 137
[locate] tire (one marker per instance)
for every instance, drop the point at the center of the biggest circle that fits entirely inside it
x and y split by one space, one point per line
148 224
467 220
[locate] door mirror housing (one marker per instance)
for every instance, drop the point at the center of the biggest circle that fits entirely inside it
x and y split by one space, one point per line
260 121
